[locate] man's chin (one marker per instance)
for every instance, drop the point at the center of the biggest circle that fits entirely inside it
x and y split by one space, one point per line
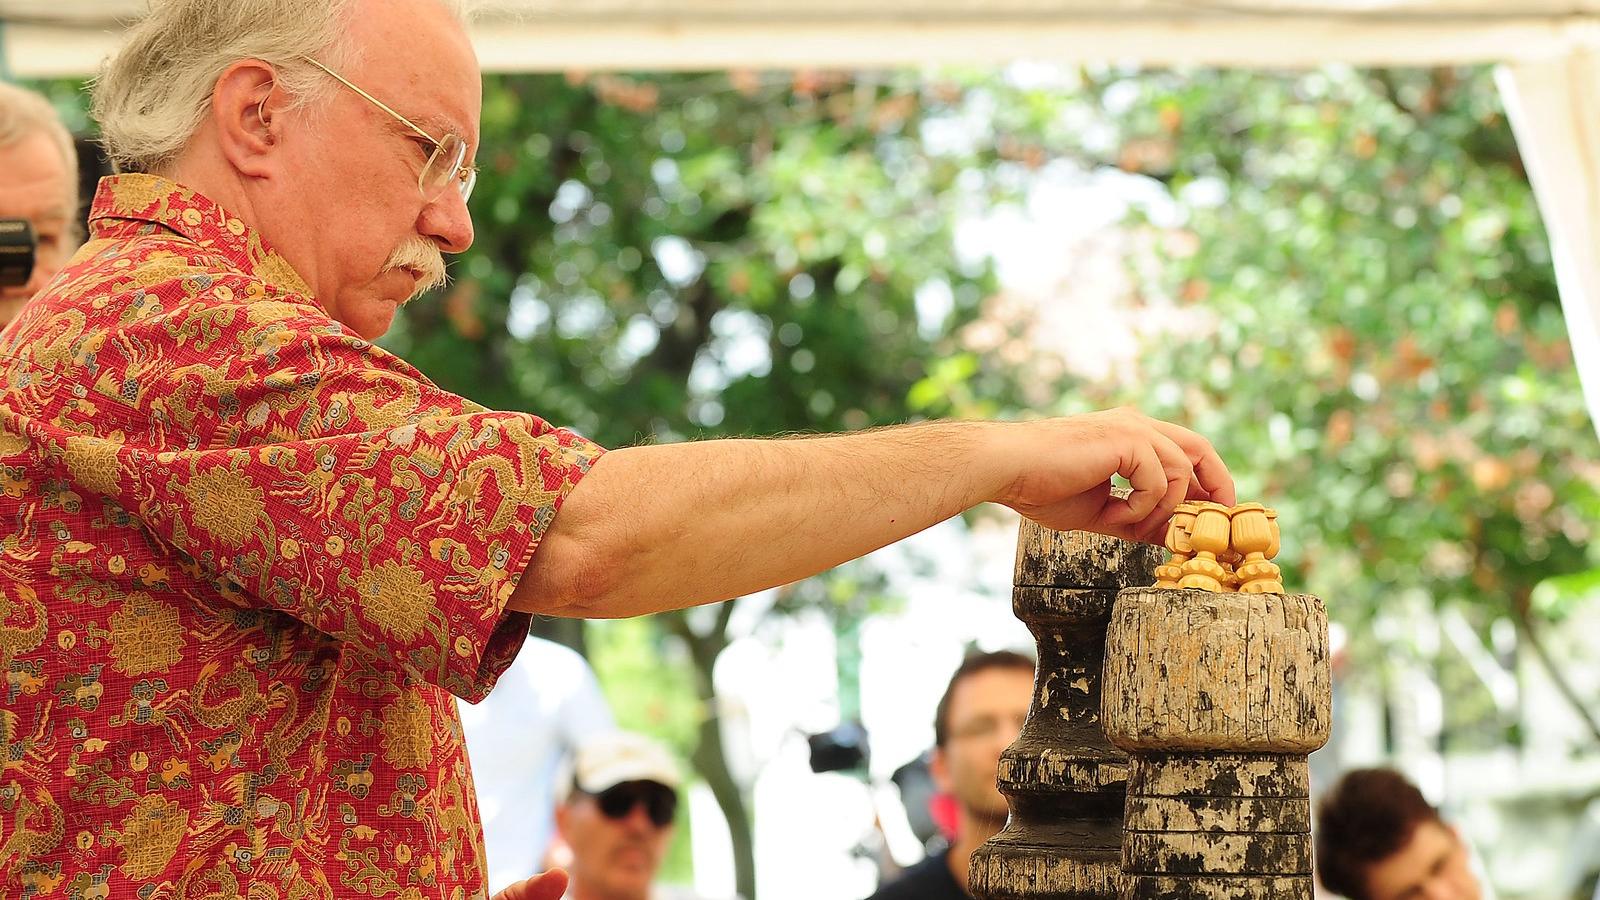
992 817
374 321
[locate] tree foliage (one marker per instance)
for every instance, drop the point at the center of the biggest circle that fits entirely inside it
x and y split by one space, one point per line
1365 319
703 255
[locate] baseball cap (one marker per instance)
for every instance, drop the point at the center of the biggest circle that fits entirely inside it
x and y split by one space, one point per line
608 760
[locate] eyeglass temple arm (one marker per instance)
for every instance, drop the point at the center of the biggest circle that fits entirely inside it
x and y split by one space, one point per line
373 100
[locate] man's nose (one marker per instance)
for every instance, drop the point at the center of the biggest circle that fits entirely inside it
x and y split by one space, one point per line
638 819
447 222
1440 889
36 280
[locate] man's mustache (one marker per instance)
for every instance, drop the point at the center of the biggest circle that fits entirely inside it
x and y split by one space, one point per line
422 257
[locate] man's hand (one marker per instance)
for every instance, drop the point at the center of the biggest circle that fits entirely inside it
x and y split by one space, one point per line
546 886
1065 468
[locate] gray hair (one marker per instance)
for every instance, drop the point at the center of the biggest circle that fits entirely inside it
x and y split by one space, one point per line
24 114
152 96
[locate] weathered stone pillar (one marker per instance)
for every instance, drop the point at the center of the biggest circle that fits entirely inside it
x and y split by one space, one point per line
1063 781
1217 697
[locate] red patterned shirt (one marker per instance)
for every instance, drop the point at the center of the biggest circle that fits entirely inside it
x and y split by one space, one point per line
246 558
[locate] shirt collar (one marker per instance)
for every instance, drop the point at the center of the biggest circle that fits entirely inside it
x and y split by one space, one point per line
141 201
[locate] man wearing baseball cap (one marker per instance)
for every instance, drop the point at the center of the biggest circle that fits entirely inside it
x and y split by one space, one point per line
615 812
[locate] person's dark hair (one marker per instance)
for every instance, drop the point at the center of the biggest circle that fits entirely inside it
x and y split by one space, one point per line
972 665
1364 819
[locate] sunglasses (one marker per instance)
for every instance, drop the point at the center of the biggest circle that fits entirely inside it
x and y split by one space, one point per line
660 802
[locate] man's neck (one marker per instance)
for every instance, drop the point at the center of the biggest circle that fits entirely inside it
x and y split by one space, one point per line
211 176
972 829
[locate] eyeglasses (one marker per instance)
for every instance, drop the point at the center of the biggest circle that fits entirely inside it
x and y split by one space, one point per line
987 726
660 802
447 163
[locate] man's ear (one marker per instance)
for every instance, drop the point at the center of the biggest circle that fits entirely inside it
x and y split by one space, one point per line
939 770
247 110
562 812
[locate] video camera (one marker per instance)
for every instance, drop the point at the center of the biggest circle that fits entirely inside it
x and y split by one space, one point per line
17 248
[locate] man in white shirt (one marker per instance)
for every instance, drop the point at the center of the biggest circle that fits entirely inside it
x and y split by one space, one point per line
544 706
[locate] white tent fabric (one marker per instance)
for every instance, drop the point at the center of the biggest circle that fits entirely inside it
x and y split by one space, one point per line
70 36
1550 50
1554 106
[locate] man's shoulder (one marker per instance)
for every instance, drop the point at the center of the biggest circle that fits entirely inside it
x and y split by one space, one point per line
152 280
163 270
927 880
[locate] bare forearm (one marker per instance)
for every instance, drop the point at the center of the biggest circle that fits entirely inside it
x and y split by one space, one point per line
657 528
681 524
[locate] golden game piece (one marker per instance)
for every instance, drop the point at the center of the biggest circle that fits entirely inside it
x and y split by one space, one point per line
1230 560
1178 528
1255 534
1230 578
1210 538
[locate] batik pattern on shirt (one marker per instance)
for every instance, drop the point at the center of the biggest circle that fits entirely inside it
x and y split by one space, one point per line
246 558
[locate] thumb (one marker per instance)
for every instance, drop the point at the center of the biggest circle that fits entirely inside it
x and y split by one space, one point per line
546 886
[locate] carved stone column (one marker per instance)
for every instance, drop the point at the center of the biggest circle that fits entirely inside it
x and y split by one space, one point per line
1217 698
1063 781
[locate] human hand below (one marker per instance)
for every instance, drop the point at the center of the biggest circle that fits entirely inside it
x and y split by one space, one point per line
544 886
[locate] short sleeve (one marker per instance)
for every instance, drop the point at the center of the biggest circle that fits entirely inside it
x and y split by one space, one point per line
316 474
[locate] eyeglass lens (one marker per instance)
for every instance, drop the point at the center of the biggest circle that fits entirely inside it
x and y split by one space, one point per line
446 166
660 802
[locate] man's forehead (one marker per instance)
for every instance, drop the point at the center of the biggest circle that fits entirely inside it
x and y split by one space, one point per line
1404 871
435 81
997 684
32 159
36 182
424 104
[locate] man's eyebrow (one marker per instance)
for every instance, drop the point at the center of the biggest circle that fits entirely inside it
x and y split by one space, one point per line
52 216
436 124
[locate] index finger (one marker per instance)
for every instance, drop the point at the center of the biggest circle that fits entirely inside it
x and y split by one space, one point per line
1142 467
551 885
1211 473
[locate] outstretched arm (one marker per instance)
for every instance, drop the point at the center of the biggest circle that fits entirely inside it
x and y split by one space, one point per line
664 527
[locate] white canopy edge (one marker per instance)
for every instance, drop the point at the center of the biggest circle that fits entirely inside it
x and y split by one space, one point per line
1554 107
857 44
559 43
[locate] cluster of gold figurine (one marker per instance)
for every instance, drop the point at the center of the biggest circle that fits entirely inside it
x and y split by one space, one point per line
1220 548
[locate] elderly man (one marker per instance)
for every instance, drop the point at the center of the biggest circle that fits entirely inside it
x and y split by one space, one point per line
38 184
247 556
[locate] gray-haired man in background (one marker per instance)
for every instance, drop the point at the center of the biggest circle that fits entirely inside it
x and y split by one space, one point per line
39 185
